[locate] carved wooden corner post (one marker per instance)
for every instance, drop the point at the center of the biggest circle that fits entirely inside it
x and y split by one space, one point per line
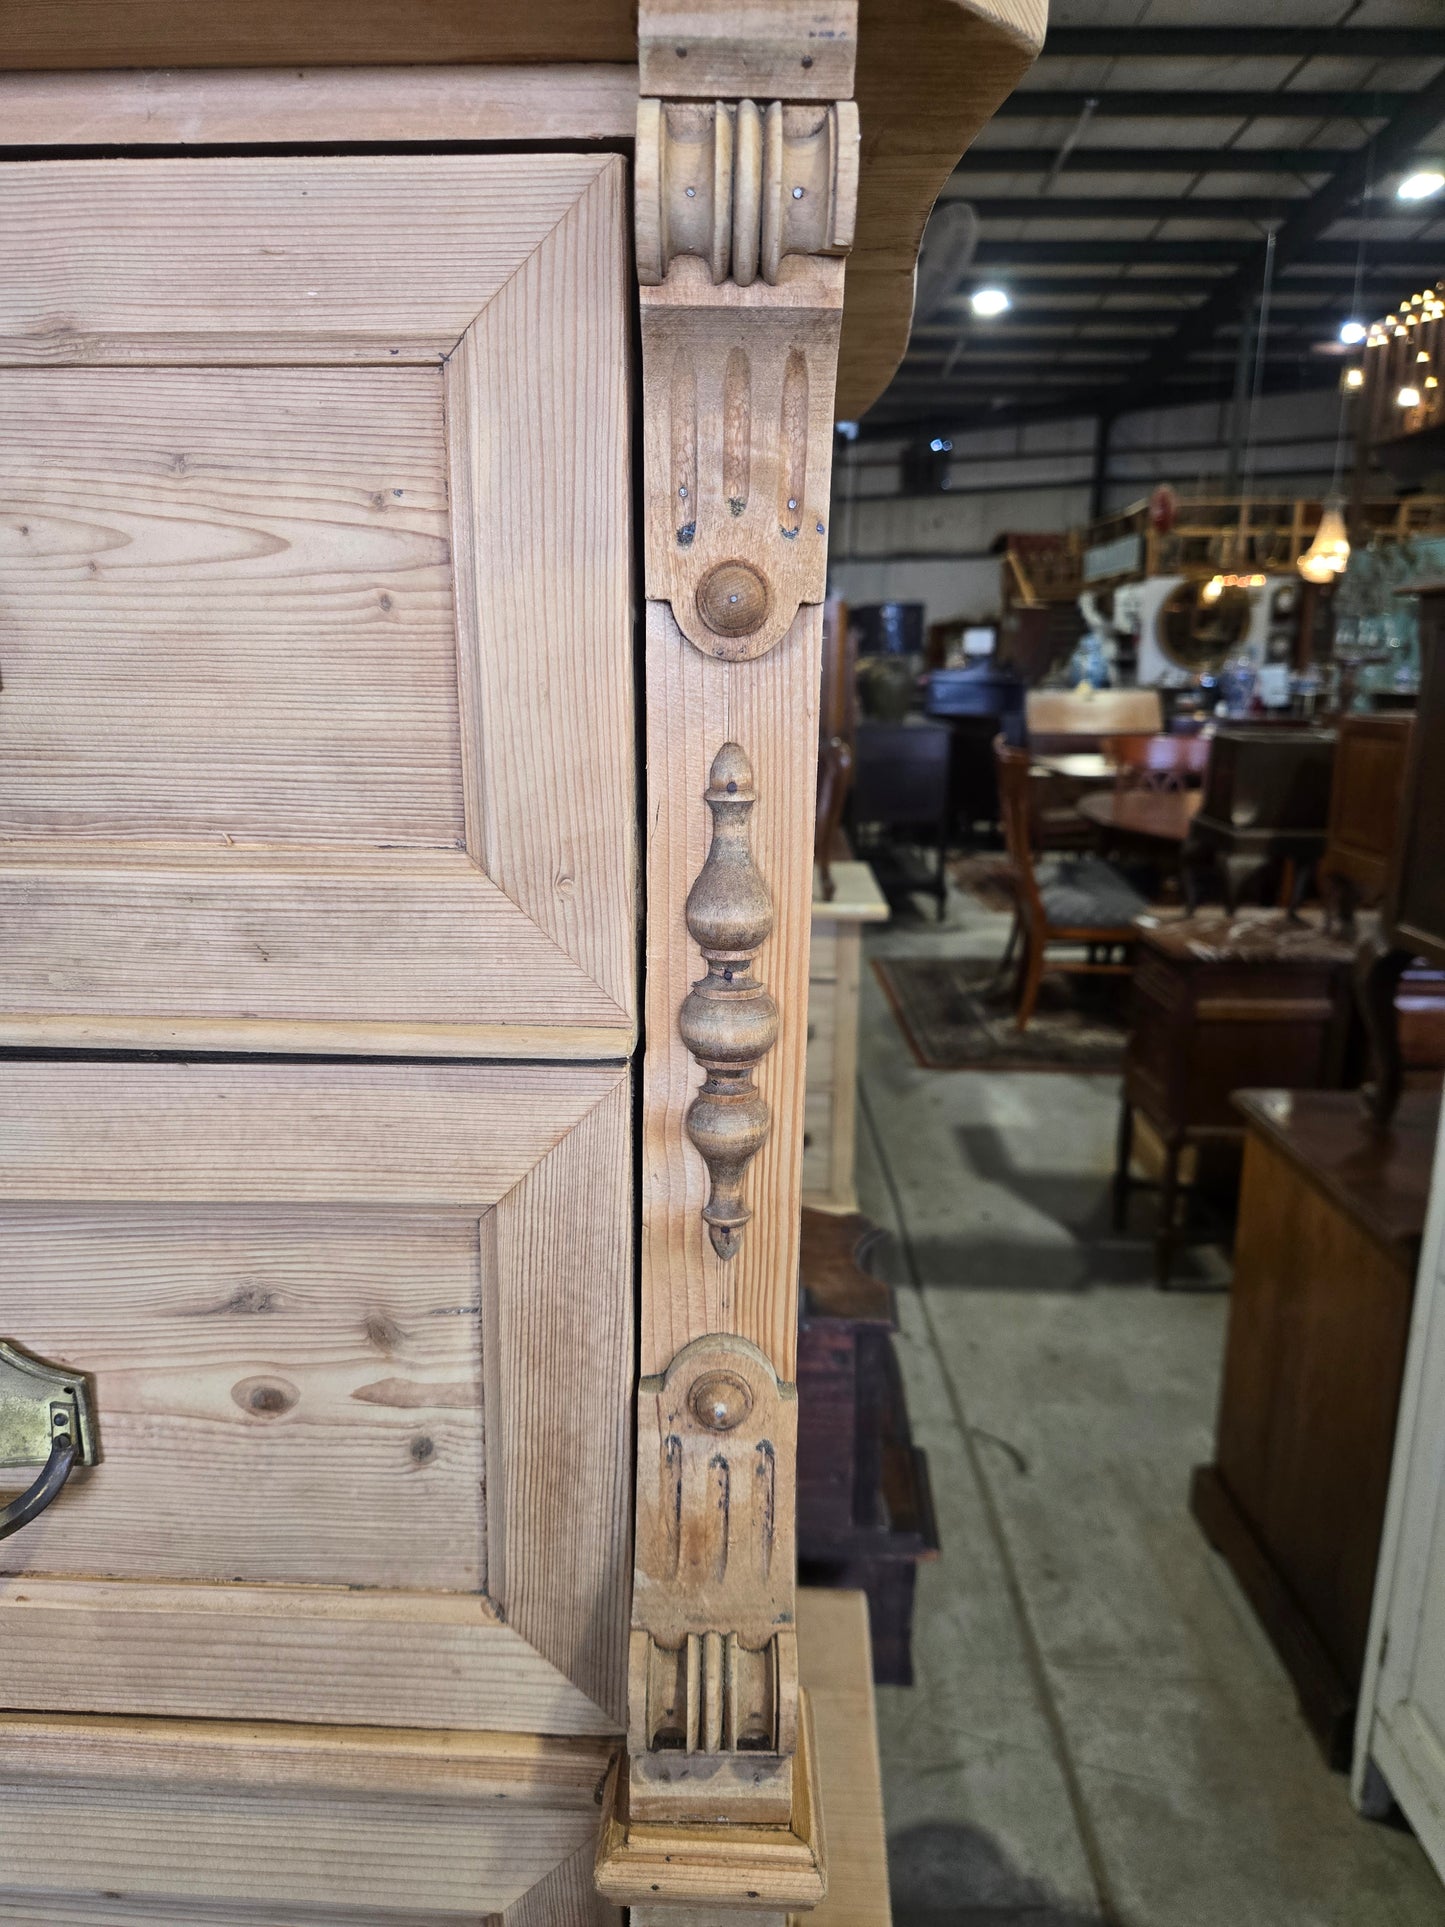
746 180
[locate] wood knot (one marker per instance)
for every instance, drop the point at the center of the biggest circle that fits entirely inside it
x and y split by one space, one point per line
265 1397
733 599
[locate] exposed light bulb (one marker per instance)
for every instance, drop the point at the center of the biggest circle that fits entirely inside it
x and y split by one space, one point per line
1432 381
989 301
1420 185
1354 378
1352 331
1408 398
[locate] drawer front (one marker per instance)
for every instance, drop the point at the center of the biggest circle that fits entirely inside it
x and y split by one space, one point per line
315 615
360 1341
187 1824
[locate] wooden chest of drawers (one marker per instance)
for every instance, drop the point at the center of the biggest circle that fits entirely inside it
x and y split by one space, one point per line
410 1533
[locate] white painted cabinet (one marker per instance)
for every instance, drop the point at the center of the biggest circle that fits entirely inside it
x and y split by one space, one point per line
1400 1740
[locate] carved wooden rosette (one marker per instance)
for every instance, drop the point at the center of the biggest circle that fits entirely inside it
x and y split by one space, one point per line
729 1021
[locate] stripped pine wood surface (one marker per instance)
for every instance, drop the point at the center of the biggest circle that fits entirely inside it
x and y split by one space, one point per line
279 1653
317 105
287 1396
695 704
269 259
318 680
402 1857
310 1367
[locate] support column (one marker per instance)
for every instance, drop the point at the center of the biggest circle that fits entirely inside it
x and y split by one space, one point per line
746 179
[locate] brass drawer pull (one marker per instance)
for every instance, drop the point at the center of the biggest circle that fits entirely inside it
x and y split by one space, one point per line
45 1421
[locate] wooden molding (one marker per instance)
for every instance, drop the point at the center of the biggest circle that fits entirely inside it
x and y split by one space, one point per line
712 1722
745 204
758 1871
728 1021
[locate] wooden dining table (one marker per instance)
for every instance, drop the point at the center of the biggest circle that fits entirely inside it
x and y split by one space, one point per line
1160 816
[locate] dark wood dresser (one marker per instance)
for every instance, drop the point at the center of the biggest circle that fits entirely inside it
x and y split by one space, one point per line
1331 1216
1221 1001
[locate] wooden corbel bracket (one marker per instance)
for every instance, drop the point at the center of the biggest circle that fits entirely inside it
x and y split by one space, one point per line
743 214
713 1696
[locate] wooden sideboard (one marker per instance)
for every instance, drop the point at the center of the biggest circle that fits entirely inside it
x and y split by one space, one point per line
1331 1215
399 1394
830 1126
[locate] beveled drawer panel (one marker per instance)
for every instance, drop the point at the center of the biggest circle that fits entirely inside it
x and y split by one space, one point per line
365 1328
210 1826
317 708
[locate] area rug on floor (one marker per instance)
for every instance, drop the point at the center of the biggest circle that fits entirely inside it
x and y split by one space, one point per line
985 874
958 1015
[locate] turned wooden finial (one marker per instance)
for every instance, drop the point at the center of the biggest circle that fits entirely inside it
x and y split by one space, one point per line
728 1021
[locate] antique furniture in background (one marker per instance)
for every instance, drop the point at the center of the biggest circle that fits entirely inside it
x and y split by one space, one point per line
1266 806
1412 921
865 1507
1064 719
977 703
1218 1002
830 1112
1157 762
1366 793
1081 902
1331 1216
318 798
900 797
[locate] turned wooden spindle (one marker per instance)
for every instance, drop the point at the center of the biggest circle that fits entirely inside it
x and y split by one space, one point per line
728 1021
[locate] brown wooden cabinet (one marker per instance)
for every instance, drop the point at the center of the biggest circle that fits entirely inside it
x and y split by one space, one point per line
359 808
1331 1215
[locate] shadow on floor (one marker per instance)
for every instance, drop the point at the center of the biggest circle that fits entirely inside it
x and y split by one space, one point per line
1017 1258
945 1875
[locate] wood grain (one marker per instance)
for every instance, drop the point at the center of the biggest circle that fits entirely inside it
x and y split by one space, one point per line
374 1135
694 705
539 428
560 1458
179 33
320 105
278 1653
306 1396
284 1396
227 609
835 1662
566 1897
312 258
405 1856
264 767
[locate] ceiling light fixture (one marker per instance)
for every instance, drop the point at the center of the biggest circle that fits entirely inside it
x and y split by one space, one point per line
1352 331
989 302
1329 553
1408 398
1354 378
1420 185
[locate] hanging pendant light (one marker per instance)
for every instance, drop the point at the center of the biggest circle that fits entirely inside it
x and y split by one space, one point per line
1329 553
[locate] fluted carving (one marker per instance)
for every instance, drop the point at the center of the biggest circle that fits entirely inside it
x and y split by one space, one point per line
728 1021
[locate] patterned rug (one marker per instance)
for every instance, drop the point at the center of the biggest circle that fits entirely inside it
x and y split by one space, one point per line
958 1016
985 876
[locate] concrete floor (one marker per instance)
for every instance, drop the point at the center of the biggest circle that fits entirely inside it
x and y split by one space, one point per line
1098 1733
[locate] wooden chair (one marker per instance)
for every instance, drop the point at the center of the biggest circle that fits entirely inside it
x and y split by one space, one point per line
835 779
1080 901
1157 762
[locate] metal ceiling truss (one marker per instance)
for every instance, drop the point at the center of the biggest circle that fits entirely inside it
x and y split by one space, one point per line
1209 286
